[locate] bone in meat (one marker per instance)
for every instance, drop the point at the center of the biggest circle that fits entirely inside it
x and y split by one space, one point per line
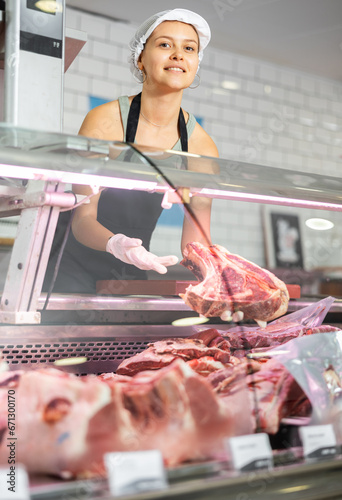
230 282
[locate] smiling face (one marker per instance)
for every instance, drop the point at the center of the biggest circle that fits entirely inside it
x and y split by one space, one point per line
170 55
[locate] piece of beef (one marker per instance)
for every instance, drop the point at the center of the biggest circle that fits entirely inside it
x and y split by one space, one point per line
207 336
273 392
212 338
240 340
206 365
250 339
230 282
54 421
65 424
176 411
276 392
163 352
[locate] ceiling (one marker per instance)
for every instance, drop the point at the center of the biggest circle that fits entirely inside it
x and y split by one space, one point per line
302 34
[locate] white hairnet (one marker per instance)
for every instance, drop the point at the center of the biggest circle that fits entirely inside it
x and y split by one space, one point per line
138 41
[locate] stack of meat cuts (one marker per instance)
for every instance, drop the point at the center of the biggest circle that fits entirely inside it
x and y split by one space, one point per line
265 390
60 420
194 351
244 339
230 283
181 396
64 424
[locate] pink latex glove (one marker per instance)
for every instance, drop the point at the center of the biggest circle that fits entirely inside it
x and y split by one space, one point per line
131 251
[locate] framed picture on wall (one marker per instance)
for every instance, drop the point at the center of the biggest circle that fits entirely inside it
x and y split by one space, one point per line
282 237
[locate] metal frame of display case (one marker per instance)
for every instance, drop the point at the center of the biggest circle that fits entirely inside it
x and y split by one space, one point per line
40 164
35 168
207 481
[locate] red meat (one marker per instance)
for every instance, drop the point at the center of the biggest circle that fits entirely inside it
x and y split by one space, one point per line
163 352
230 282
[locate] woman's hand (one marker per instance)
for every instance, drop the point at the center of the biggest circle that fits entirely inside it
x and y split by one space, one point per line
131 251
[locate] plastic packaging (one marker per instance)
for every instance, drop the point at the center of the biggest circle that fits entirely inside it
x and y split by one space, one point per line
315 361
302 322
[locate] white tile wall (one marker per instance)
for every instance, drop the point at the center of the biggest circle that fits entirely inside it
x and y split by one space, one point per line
279 117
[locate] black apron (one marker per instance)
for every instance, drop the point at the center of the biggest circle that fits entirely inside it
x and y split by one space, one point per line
132 213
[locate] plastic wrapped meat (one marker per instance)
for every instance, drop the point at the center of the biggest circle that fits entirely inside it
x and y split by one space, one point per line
272 392
242 339
303 322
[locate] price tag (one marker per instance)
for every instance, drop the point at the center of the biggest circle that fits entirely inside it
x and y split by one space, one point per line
134 472
250 452
319 441
14 484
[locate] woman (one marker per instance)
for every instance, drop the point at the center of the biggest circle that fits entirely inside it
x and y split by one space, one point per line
165 55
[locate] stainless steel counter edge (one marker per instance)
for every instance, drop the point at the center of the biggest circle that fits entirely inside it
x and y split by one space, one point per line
10 334
122 303
317 481
142 303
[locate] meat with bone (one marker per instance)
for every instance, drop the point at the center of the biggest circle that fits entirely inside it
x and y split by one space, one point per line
65 424
58 416
277 394
176 411
230 282
273 392
163 352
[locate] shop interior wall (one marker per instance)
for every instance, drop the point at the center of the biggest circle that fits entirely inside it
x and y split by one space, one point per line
278 116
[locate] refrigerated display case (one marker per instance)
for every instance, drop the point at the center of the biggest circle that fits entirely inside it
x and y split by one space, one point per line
36 330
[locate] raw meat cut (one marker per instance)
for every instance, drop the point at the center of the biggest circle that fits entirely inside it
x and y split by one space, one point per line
177 411
277 394
213 338
250 339
206 365
65 424
273 392
163 352
230 282
241 340
60 421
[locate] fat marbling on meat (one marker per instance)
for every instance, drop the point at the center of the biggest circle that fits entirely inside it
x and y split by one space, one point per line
229 282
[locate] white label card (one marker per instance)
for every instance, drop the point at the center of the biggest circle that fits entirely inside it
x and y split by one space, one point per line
14 484
250 452
319 441
134 472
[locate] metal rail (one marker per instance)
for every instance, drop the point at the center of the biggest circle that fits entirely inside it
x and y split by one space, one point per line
317 481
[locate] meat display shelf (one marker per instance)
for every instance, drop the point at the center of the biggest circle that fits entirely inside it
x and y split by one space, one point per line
103 303
106 329
147 303
300 481
103 347
163 287
139 309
